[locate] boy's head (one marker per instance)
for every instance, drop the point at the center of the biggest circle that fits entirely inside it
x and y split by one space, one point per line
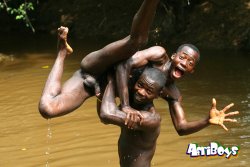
149 85
184 60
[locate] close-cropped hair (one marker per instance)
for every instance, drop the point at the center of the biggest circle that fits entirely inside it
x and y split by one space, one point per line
156 75
190 46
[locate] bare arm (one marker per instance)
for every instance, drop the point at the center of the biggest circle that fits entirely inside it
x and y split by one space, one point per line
156 55
184 127
110 114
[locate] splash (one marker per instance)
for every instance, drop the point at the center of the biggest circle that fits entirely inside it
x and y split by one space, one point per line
49 136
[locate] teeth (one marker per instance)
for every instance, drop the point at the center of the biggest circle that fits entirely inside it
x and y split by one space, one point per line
181 69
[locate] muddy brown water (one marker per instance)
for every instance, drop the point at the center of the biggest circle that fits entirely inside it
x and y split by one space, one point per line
79 139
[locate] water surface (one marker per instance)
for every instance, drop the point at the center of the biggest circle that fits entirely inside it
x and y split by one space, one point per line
80 139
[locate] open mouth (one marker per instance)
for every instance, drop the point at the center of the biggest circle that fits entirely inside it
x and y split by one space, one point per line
178 72
138 98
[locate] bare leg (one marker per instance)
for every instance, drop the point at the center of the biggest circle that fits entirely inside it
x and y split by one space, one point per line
57 100
97 62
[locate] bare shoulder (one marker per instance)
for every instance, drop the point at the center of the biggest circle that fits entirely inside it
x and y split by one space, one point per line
171 92
152 114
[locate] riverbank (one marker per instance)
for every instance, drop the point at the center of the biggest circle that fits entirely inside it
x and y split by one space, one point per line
210 24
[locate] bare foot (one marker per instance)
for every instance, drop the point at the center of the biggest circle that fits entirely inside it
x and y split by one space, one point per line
62 39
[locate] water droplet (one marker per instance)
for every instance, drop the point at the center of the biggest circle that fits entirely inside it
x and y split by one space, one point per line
49 136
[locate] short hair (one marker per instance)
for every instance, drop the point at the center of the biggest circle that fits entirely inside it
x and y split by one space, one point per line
156 75
190 46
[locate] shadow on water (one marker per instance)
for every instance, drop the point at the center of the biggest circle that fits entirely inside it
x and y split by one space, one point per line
80 139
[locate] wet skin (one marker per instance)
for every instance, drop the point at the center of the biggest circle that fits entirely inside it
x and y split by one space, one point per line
145 90
58 99
136 146
182 62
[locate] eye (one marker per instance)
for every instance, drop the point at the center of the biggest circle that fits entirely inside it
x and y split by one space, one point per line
191 63
149 92
139 85
181 57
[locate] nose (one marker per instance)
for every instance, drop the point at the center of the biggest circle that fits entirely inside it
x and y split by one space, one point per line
184 63
141 92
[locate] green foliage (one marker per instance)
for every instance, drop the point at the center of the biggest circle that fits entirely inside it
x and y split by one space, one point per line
20 12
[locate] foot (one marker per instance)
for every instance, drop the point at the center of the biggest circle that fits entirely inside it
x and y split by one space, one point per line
62 40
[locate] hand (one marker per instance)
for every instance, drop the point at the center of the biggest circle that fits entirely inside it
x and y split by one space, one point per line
133 117
218 117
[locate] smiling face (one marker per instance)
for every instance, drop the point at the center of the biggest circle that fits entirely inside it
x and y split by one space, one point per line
184 61
146 90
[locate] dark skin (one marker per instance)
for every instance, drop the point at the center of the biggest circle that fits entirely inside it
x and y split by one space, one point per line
182 62
136 146
58 99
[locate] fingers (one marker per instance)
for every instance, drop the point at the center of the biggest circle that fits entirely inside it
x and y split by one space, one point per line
228 107
223 126
230 120
232 113
127 118
133 118
130 122
213 103
140 116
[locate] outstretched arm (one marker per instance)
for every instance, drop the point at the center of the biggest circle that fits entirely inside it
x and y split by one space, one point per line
110 114
183 127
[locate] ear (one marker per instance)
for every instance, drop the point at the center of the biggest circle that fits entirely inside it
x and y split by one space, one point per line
191 72
161 93
173 56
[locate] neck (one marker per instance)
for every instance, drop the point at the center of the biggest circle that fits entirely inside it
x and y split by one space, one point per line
167 71
141 106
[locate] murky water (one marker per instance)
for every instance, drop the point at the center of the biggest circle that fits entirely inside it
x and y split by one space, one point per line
80 139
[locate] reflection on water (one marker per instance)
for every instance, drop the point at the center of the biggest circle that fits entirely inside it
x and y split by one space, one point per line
80 139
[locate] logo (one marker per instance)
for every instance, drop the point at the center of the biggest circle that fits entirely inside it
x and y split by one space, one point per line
214 148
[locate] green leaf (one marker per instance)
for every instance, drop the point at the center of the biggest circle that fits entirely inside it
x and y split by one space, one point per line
18 17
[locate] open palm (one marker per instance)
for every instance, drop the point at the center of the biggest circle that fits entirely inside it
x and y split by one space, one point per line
218 117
